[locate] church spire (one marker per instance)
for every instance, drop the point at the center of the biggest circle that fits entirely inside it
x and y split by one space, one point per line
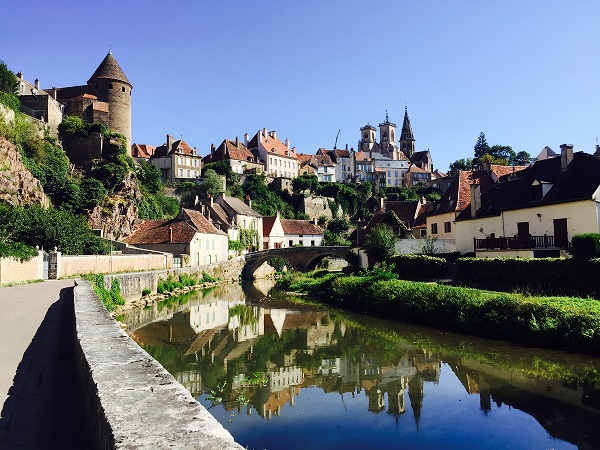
407 140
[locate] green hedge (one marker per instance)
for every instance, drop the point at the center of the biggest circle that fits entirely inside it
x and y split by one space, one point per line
587 245
548 276
419 267
558 322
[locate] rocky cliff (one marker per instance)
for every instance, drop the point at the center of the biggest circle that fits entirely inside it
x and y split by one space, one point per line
17 185
117 215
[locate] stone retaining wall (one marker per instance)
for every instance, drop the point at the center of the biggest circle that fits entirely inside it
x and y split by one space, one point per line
132 284
131 401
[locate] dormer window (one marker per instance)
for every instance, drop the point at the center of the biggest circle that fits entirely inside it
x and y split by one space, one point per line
539 189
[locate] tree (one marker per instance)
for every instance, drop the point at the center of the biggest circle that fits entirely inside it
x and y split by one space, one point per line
380 244
462 164
481 146
212 184
305 182
521 159
149 176
8 80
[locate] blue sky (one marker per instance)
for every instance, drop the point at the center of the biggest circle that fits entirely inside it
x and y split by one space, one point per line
523 72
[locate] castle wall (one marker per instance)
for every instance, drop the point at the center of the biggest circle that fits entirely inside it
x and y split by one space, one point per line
82 150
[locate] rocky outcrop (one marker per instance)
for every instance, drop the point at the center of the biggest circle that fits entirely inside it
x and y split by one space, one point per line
117 215
17 185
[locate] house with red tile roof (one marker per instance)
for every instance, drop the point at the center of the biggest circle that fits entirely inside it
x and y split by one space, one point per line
344 170
301 232
142 152
416 175
280 159
273 234
191 238
176 160
236 154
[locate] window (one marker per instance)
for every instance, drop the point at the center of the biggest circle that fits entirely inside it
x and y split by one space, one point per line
447 227
110 86
180 173
312 243
423 232
123 89
434 229
195 162
179 160
301 242
396 173
188 173
291 243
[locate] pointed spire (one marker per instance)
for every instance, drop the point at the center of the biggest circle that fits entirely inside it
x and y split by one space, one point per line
109 69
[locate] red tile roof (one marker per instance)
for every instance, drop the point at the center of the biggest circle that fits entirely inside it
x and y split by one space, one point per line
142 150
202 224
272 145
162 232
229 150
297 226
505 170
361 156
268 223
179 146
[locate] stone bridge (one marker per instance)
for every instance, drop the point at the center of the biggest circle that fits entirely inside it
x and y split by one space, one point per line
299 258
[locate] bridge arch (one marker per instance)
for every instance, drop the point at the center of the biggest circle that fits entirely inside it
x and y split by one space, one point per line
299 258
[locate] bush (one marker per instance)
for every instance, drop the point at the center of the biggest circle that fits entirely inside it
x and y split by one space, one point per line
586 246
419 267
11 101
277 263
146 291
110 298
544 276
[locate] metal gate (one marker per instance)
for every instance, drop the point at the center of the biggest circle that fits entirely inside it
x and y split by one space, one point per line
46 259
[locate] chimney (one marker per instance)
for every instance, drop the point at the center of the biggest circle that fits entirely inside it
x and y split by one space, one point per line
37 84
346 146
170 234
597 152
246 139
475 198
273 134
566 156
359 232
20 75
169 142
248 201
212 148
260 135
210 200
287 143
237 142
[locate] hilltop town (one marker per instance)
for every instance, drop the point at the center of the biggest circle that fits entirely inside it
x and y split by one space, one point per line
260 192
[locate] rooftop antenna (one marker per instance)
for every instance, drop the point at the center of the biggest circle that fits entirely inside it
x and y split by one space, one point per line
338 134
109 48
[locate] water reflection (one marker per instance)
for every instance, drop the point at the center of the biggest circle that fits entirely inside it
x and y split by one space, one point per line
218 343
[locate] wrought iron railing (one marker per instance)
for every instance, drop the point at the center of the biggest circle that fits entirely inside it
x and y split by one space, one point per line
514 243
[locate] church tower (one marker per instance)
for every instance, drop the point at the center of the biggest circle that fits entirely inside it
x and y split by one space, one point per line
109 84
387 138
367 138
407 140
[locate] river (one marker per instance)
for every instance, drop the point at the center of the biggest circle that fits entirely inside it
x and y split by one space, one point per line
281 374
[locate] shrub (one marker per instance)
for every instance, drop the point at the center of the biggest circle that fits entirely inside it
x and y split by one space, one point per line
110 298
587 245
277 263
146 291
419 267
206 278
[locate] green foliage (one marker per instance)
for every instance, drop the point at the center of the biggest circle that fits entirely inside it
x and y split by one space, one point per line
481 146
206 278
16 250
330 238
462 164
146 291
92 193
587 245
10 100
380 244
235 245
265 200
419 267
249 239
566 323
306 182
548 276
110 173
338 225
49 228
277 263
149 175
76 126
110 298
8 80
349 196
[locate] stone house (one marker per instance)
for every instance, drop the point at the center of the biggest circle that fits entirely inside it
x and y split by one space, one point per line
273 234
176 160
40 104
301 232
535 211
279 158
191 238
240 159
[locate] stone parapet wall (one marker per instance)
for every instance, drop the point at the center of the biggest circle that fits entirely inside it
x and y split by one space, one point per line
132 284
130 400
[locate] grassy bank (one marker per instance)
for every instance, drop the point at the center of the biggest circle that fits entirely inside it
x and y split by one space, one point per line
567 323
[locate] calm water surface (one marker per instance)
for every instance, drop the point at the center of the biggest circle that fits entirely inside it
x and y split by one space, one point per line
282 375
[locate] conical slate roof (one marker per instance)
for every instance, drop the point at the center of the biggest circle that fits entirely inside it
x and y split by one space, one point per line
109 69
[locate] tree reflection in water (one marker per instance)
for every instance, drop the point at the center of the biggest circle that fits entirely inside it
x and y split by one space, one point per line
220 341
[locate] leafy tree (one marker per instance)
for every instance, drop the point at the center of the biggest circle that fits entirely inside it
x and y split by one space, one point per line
481 146
111 174
521 159
502 152
338 225
212 184
305 182
8 80
330 238
380 244
462 164
92 192
149 176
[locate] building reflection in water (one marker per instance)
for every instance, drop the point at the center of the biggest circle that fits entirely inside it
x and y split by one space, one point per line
221 337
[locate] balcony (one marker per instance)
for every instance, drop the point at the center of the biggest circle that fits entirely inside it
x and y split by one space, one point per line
514 243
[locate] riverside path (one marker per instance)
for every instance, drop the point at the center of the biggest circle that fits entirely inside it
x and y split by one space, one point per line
38 387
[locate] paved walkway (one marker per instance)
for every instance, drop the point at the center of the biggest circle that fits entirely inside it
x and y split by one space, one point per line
38 390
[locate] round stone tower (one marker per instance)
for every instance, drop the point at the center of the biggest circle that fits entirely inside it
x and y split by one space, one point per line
110 85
